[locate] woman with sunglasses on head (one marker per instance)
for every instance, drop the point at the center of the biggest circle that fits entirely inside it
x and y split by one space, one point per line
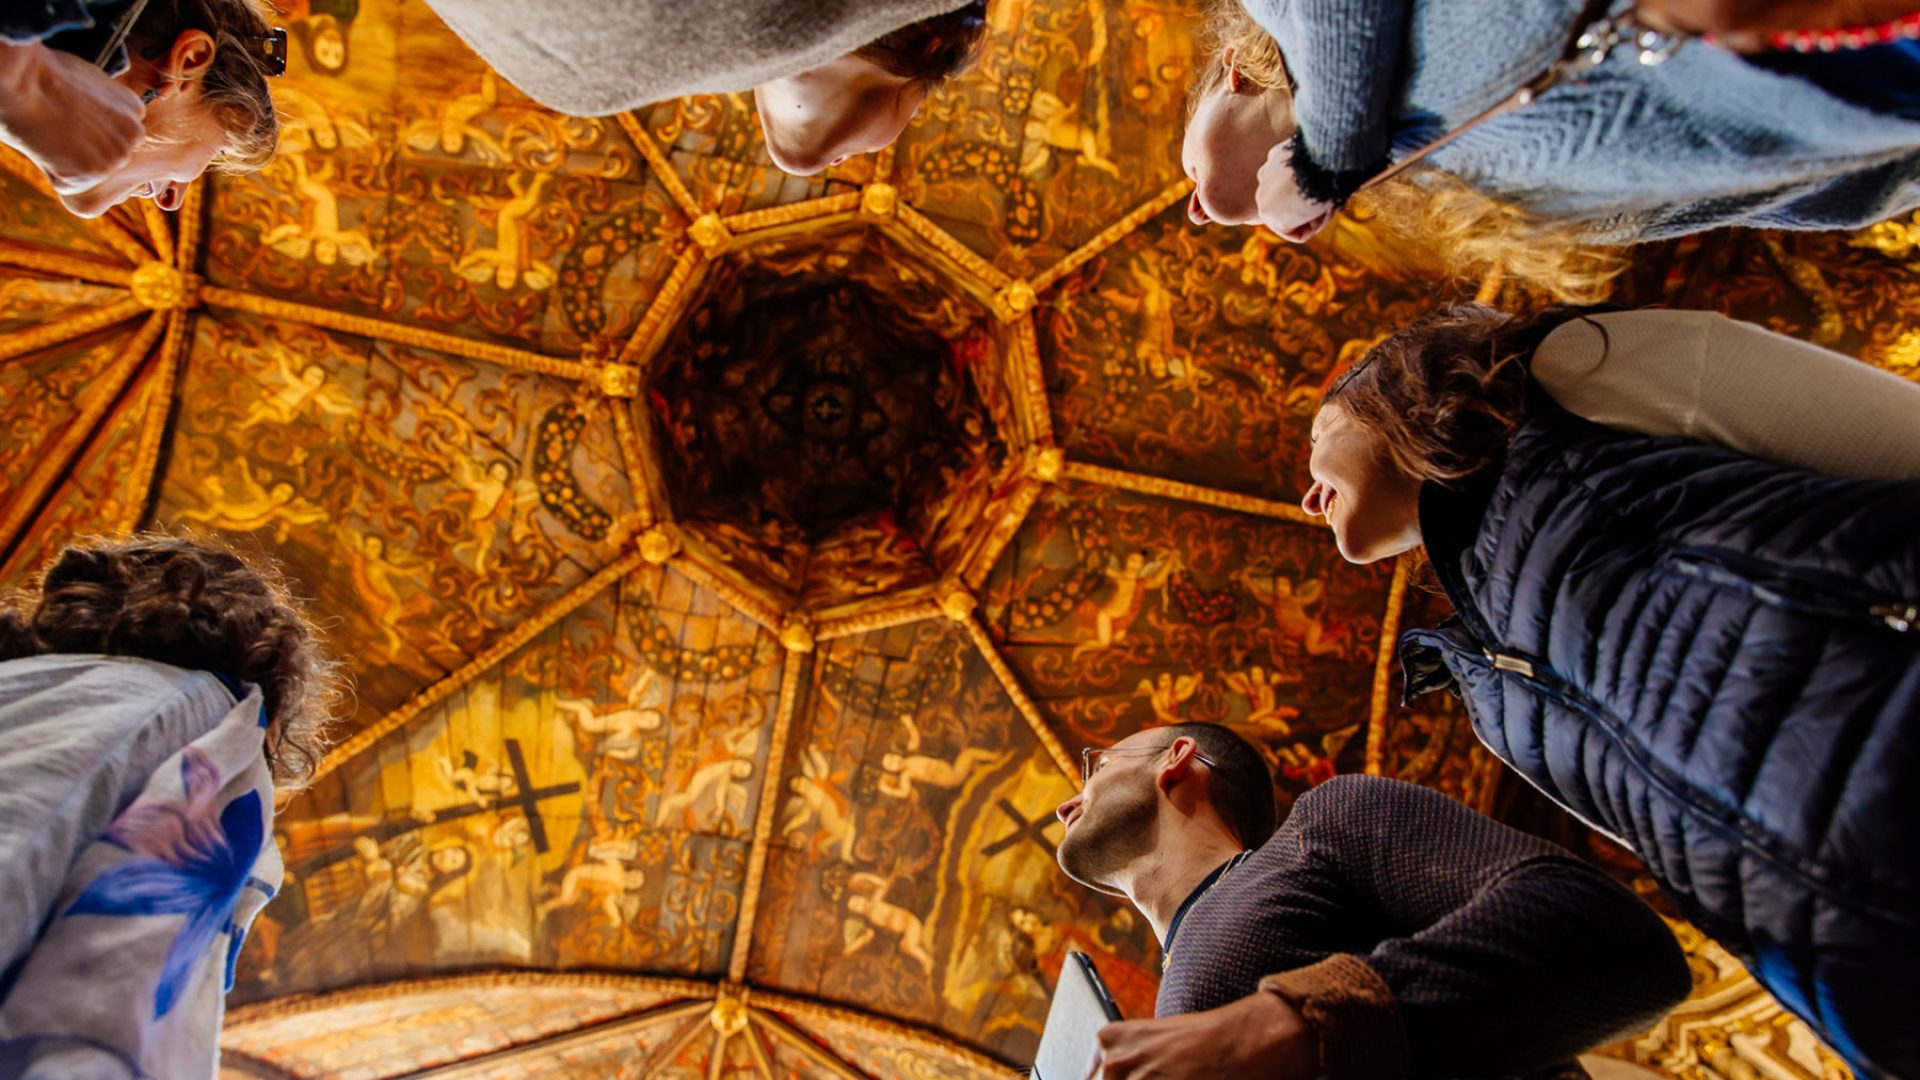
137 99
1305 102
1684 558
830 81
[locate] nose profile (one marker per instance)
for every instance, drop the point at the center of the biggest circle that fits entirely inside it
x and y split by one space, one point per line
1195 212
1065 809
1314 501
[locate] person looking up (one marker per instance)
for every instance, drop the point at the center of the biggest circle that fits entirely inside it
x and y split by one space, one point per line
1683 553
1381 930
183 91
829 81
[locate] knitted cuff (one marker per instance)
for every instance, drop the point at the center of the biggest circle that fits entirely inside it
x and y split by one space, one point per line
1322 184
1352 1013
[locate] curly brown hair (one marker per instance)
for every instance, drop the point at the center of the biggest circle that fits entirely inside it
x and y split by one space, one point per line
188 603
1446 392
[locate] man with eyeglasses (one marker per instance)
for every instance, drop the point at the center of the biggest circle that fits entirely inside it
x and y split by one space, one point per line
1383 930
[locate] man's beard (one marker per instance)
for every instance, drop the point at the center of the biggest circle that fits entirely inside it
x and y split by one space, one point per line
1109 838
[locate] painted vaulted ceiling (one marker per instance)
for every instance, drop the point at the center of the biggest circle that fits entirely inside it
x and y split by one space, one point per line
732 565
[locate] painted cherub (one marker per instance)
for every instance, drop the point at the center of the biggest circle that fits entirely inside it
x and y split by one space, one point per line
866 897
618 732
1291 604
723 775
817 797
510 261
1168 692
608 874
318 233
239 502
905 770
1130 582
454 128
484 782
1261 689
297 388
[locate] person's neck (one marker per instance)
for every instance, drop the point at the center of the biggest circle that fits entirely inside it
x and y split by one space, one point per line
1186 859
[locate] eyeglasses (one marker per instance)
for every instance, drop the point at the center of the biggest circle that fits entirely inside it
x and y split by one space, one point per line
272 48
1093 758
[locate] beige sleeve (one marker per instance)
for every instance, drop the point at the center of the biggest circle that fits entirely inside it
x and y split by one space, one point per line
1707 377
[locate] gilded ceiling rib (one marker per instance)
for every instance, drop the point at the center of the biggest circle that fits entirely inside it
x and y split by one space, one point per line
523 632
808 1049
866 622
670 1049
1383 668
56 464
1030 384
106 228
922 227
554 1047
153 426
768 1002
65 328
59 264
632 459
791 674
1019 696
761 1062
1162 488
771 221
661 315
159 233
662 168
401 334
708 574
1004 531
1111 235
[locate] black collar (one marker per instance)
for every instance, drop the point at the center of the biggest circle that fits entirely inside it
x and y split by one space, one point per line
1200 890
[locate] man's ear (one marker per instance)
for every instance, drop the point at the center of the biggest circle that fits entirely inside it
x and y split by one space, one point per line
188 59
1179 764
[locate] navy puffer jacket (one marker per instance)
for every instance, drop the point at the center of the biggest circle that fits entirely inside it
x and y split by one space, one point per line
1711 658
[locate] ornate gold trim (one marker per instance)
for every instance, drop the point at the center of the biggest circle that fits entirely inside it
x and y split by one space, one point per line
793 671
1162 488
399 333
522 632
61 264
67 327
1022 701
1112 235
662 168
1383 668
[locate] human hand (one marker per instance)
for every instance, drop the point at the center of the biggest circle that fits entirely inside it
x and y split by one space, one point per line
1257 1036
1281 205
67 116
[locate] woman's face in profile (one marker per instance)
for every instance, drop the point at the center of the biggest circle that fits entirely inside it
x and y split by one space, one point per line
1233 128
1372 507
844 107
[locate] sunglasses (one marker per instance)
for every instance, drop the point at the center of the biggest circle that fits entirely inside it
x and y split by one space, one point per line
271 49
1093 758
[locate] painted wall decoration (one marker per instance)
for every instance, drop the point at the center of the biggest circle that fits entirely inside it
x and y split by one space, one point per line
732 565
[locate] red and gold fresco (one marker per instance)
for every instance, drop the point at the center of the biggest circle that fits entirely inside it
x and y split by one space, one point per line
614 722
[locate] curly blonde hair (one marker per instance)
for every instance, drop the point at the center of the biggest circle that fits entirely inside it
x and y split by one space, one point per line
193 605
1463 232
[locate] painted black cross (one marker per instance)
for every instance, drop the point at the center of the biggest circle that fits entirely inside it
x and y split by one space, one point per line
1023 829
526 798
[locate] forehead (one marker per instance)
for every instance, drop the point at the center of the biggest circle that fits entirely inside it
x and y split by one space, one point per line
1140 738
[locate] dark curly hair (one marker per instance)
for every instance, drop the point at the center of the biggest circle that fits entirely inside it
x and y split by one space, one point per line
1447 391
193 605
931 50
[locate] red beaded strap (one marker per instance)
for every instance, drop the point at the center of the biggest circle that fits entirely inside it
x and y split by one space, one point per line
1905 28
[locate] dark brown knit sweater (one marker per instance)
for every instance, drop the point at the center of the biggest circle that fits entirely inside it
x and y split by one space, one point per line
1421 939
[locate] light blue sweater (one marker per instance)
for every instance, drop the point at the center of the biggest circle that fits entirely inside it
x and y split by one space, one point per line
1642 153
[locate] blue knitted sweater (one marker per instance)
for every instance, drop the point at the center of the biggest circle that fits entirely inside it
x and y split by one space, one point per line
1703 140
